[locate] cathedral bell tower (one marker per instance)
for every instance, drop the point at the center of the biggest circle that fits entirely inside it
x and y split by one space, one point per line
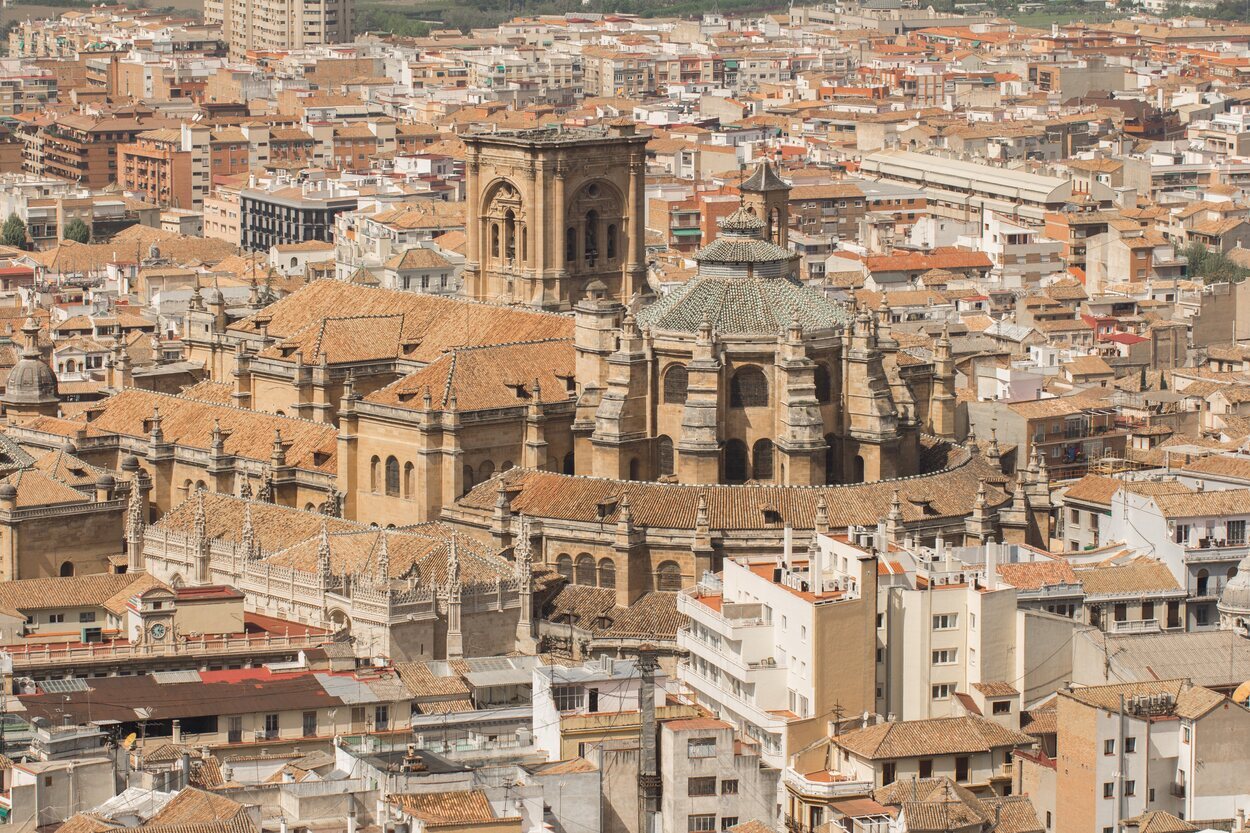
550 212
766 195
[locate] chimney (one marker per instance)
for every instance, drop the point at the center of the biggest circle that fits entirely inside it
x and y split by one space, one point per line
177 735
787 548
351 817
991 566
186 770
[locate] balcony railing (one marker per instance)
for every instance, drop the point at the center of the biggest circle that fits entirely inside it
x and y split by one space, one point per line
1177 790
829 786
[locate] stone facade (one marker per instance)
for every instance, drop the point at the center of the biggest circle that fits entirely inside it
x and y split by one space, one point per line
552 211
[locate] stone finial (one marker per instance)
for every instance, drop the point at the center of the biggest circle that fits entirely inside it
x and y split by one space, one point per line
453 568
248 535
323 552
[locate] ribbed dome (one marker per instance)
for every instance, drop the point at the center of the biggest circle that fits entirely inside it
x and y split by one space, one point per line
742 306
31 381
741 240
1236 596
742 222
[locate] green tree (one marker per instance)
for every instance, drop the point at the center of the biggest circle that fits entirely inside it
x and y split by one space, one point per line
77 231
13 233
1212 266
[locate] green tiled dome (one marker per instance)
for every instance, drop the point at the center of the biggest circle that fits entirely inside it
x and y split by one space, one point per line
746 306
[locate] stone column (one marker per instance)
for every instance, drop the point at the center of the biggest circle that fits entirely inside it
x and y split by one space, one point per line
472 228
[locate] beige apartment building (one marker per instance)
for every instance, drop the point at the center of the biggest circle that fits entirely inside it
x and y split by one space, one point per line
279 25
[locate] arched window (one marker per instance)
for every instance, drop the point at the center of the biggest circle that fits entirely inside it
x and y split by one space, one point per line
607 573
676 383
485 471
592 237
824 389
668 577
584 573
468 478
859 469
392 477
294 262
1203 577
525 243
505 465
410 480
509 235
611 241
735 461
748 388
200 485
664 453
494 240
569 467
634 472
1232 571
570 245
375 474
310 507
762 460
564 566
67 568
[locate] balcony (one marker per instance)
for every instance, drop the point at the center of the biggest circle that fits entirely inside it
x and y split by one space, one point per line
1210 549
826 785
1136 626
1177 790
729 619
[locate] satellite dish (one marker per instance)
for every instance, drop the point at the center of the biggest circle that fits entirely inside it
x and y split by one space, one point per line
1242 695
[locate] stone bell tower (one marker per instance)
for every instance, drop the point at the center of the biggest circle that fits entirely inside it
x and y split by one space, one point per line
766 195
551 211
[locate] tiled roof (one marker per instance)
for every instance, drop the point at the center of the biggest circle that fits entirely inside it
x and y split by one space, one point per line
68 468
948 493
936 736
34 488
423 682
192 806
332 341
446 809
93 590
1093 488
996 688
499 376
1034 575
595 609
431 324
1206 503
1141 575
1159 821
189 422
218 393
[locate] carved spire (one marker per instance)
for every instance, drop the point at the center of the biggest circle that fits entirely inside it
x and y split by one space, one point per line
156 435
982 498
822 515
245 487
323 553
134 512
384 558
453 569
701 515
523 553
199 528
248 537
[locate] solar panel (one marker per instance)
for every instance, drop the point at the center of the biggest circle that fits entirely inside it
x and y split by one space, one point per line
66 686
167 677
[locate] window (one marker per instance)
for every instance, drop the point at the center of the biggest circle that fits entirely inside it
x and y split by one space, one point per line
271 726
358 716
56 618
735 461
701 785
86 616
664 449
926 768
824 390
584 572
1130 787
234 729
701 748
381 717
567 697
889 771
748 388
702 823
1002 707
729 787
1130 746
961 768
1048 819
1121 612
1074 516
1236 532
727 822
310 724
1108 747
1182 533
1185 734
392 477
607 573
668 577
941 691
945 621
1202 616
1108 790
762 460
944 656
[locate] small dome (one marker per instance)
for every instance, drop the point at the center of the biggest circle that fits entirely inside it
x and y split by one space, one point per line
8 492
742 222
211 295
31 381
130 463
106 481
1235 599
69 448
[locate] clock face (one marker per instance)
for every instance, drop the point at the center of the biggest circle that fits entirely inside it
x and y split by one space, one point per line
158 631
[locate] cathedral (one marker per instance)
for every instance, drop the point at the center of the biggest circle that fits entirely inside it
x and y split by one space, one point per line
745 374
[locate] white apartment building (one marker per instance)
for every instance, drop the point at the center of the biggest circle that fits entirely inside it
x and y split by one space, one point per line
1022 257
947 633
775 642
1126 749
602 686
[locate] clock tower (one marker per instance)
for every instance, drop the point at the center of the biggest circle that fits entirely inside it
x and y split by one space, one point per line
150 616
